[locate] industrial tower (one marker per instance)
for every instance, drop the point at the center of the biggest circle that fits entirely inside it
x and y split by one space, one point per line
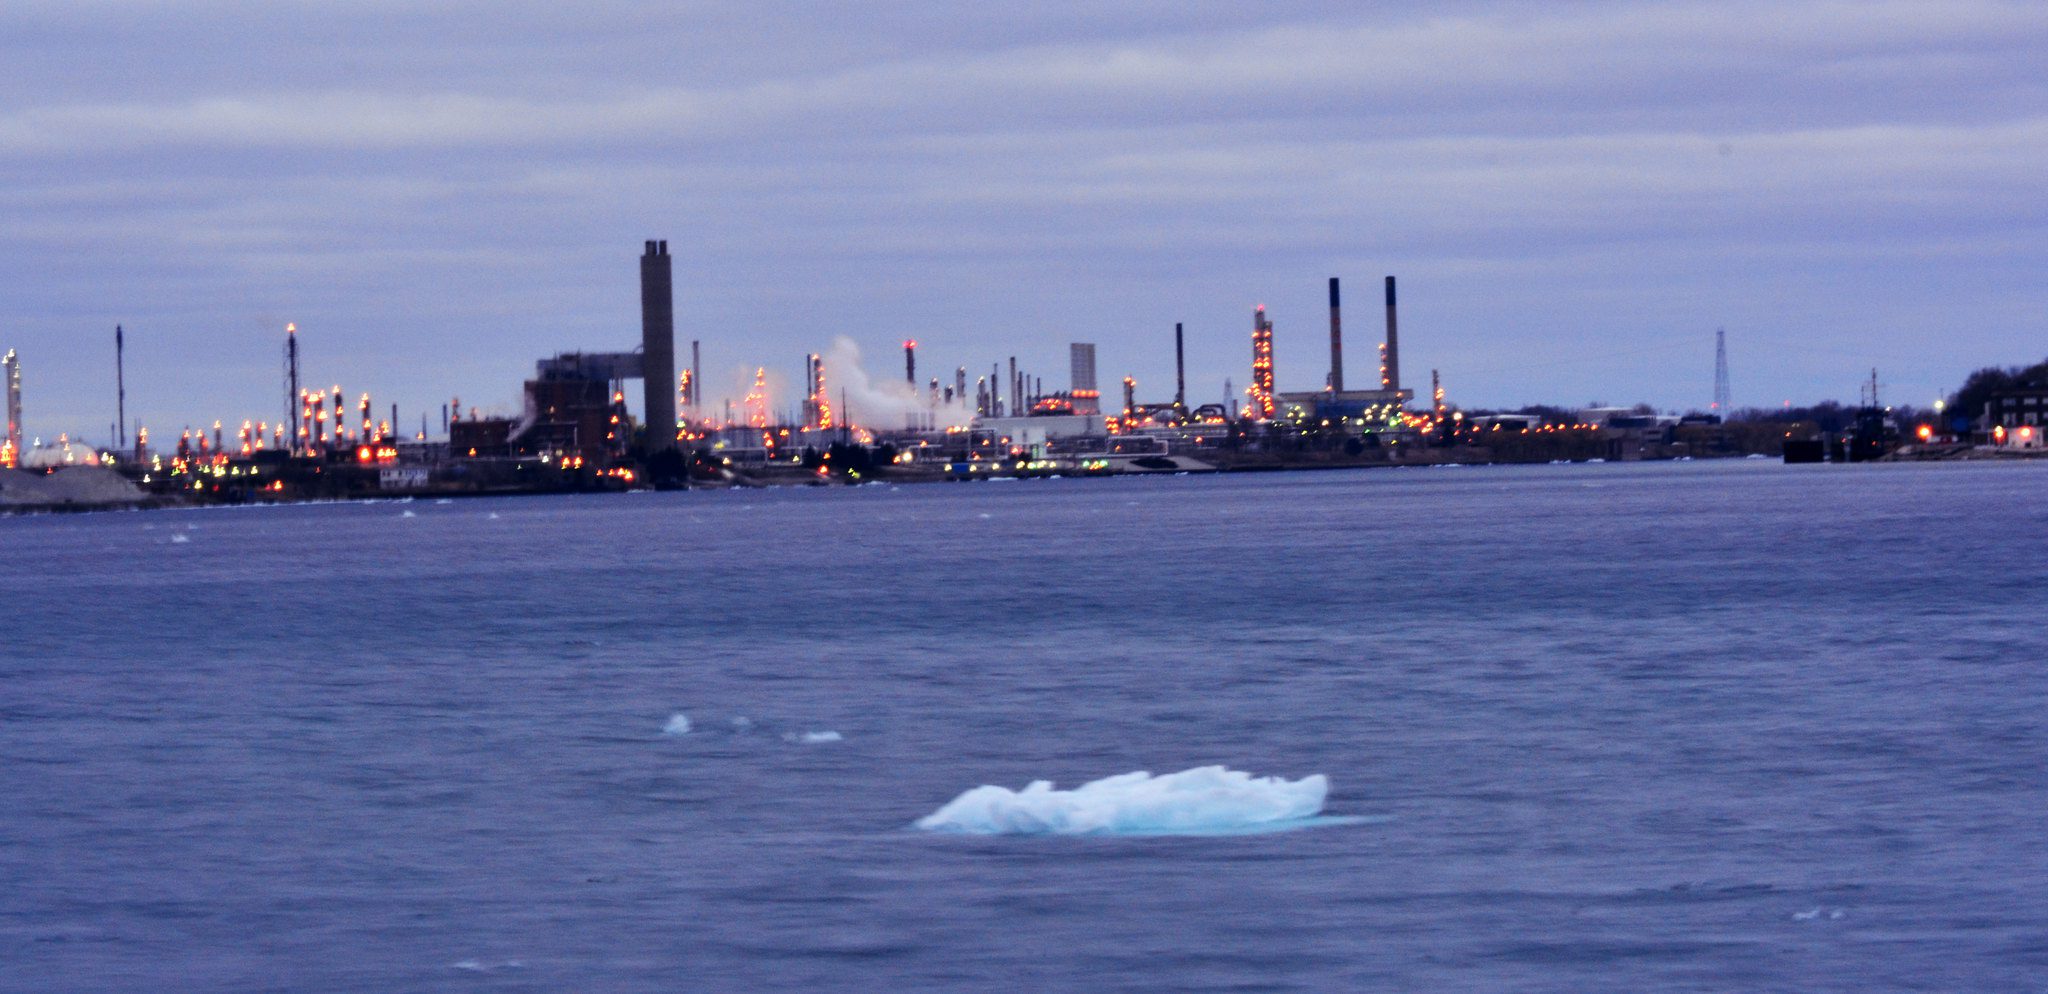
1262 366
294 398
120 391
1081 387
11 368
658 346
1721 371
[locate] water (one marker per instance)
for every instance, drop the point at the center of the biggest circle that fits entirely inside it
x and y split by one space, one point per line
1709 726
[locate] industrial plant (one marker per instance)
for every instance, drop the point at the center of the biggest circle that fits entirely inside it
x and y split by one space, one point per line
576 432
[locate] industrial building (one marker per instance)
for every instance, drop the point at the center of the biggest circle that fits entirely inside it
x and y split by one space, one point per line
1081 389
1364 411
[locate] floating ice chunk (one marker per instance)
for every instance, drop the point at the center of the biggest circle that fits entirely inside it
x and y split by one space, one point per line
179 539
678 724
444 500
1208 800
813 738
408 514
741 723
984 517
494 515
479 966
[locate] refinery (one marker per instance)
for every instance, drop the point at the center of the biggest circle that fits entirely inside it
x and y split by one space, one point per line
577 432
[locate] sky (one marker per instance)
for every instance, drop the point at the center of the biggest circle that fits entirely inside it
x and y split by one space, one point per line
1575 196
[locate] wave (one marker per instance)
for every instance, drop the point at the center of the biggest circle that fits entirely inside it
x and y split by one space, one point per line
1207 800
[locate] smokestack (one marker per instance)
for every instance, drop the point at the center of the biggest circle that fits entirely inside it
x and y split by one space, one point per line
1180 373
696 374
1336 340
1391 380
1016 390
294 399
658 346
910 362
120 390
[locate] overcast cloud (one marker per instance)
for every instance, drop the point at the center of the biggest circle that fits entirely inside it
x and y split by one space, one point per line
1574 195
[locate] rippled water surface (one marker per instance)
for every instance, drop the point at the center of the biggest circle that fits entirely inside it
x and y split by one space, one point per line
1709 727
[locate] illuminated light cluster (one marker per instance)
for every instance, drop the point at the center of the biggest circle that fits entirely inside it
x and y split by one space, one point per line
1261 390
756 403
821 401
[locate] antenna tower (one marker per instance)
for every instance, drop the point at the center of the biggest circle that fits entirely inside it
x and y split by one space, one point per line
1721 371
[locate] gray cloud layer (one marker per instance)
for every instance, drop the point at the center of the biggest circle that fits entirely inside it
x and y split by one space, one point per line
1575 195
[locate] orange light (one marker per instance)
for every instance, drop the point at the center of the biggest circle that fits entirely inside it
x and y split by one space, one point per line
1926 433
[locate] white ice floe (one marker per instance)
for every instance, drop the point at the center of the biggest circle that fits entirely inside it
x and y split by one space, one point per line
408 514
813 738
1208 800
177 539
741 723
678 724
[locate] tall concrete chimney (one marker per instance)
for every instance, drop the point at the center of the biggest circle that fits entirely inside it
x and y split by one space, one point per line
1336 340
658 347
910 362
1393 377
1180 373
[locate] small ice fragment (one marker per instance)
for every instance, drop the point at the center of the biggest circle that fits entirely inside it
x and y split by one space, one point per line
678 724
1204 800
812 738
983 517
494 515
469 965
408 514
1806 916
180 539
741 723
